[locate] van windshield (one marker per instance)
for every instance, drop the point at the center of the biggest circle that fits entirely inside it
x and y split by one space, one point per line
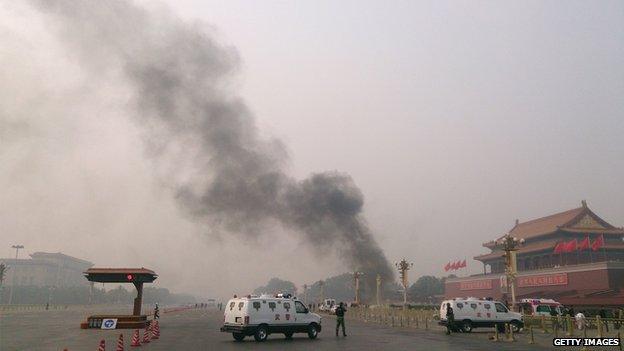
501 308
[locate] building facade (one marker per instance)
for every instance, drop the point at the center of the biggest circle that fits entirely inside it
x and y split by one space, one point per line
46 269
582 276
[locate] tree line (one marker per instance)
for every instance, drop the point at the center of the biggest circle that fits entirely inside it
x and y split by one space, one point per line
426 290
81 295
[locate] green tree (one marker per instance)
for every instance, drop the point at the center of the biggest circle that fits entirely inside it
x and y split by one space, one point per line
426 287
276 286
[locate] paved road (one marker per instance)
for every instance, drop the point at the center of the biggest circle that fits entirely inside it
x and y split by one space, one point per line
199 330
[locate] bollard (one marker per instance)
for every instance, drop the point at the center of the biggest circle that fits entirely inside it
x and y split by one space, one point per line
496 338
543 321
556 330
599 326
416 322
531 338
570 326
426 323
511 334
401 321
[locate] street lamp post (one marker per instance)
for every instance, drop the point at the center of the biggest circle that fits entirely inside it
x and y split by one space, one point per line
510 246
322 287
305 294
17 248
356 278
378 289
403 267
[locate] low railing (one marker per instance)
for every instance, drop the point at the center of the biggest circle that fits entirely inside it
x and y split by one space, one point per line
543 328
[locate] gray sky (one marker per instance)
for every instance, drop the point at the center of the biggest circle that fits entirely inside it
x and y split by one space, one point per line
454 119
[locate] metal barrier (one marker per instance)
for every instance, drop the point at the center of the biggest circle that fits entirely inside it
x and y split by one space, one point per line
550 326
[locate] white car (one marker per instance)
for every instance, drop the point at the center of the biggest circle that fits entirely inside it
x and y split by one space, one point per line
470 313
328 305
263 315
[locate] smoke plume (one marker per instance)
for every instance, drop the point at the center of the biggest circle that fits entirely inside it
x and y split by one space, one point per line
223 172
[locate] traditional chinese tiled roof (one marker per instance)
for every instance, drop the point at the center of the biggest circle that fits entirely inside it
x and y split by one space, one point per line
577 220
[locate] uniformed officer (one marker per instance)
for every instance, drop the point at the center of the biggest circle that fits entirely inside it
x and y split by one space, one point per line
450 318
340 312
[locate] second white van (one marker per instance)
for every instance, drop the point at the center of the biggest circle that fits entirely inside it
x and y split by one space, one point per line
473 313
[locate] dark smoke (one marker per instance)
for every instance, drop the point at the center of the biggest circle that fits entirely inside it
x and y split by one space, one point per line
225 174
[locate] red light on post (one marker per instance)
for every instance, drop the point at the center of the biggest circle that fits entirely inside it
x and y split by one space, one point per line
129 277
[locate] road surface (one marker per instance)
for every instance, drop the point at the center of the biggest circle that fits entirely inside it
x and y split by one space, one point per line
199 330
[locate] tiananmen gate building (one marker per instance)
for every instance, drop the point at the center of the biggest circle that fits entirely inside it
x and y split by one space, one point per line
574 257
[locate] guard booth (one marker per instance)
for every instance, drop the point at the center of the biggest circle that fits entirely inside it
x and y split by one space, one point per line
136 276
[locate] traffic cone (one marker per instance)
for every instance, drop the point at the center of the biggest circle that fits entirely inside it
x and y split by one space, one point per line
146 334
156 330
136 339
102 345
120 343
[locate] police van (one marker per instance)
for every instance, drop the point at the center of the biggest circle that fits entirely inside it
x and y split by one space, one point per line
259 316
473 313
541 307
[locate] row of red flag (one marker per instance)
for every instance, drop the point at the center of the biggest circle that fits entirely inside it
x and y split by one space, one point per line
585 244
453 266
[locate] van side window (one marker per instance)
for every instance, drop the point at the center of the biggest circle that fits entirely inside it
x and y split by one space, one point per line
256 305
240 305
299 307
543 308
272 306
501 308
287 306
232 304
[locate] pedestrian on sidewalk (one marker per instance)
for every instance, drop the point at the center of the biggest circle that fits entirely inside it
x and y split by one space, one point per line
450 318
340 312
156 312
580 320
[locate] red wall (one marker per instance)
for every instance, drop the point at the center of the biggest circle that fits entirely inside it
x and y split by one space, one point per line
585 280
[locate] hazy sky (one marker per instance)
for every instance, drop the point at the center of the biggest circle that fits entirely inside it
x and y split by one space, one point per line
454 118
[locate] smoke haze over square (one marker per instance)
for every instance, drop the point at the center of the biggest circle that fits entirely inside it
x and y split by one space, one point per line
452 118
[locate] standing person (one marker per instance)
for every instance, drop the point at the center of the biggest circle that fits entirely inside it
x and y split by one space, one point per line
603 316
450 318
156 312
580 320
553 316
340 312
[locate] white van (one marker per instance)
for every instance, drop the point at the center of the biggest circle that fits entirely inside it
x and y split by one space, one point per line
473 313
541 307
263 315
328 305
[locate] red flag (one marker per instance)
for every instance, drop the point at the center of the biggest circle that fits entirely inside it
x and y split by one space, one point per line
447 267
598 243
559 247
463 264
570 246
584 245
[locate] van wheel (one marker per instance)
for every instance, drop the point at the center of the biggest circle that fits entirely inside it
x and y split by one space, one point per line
288 335
516 326
312 331
238 336
466 326
261 333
